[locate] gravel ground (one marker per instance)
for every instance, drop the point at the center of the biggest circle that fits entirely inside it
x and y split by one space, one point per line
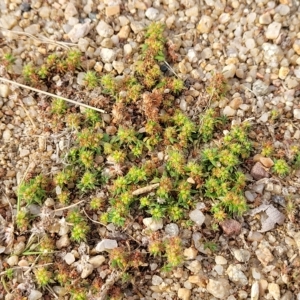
255 44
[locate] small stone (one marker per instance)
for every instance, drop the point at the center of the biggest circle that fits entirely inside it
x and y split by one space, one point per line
296 113
218 288
266 161
153 224
4 90
291 82
182 67
224 18
242 255
44 12
296 46
264 255
249 196
6 135
273 31
197 216
97 260
107 55
124 33
255 236
274 290
13 260
205 24
231 227
60 291
69 258
183 105
111 130
258 171
8 21
33 29
236 275
195 266
184 294
228 111
70 11
256 274
283 72
63 242
260 88
79 31
192 11
112 10
151 13
118 66
199 279
172 229
157 280
24 152
235 103
190 253
265 19
220 260
106 244
35 295
104 29
229 71
87 270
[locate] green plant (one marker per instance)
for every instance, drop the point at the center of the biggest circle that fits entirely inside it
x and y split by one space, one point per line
8 60
280 167
43 276
89 139
22 220
58 106
213 247
86 157
33 191
91 79
174 252
218 87
80 231
73 60
88 181
207 125
92 116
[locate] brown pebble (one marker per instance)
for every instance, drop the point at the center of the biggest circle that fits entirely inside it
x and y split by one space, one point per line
231 227
267 162
111 130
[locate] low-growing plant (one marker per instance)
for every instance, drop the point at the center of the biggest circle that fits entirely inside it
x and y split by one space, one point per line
43 276
281 168
58 106
91 79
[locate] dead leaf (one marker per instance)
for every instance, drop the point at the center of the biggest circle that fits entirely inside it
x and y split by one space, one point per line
274 216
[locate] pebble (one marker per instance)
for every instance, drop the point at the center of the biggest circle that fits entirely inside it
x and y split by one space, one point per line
231 227
197 216
151 13
258 172
118 66
274 290
4 90
87 270
106 244
34 295
205 24
13 260
229 71
297 240
184 294
229 111
296 113
273 31
6 135
63 242
79 31
69 258
255 291
242 255
156 280
249 196
104 29
107 55
190 253
220 260
195 266
112 10
172 229
70 11
44 12
236 275
33 29
124 33
296 46
266 162
153 224
97 260
264 255
218 288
